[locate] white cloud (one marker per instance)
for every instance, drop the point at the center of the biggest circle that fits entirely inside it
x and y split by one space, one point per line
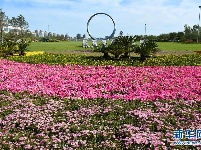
130 16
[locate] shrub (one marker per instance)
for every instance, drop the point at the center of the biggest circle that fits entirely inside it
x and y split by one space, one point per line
8 47
102 48
122 44
125 43
115 49
146 48
23 44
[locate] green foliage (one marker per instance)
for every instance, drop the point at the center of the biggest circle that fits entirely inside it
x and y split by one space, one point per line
173 60
145 49
23 44
191 33
62 59
126 44
101 48
122 44
9 47
19 22
115 49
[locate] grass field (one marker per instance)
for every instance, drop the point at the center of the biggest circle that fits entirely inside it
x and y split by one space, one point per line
55 46
75 47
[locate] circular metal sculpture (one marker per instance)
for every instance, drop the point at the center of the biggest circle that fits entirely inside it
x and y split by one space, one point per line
107 37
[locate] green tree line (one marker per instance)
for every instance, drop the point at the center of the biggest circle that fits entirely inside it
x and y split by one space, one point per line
188 35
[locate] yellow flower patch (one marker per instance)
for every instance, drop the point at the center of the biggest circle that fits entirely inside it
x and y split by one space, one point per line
34 53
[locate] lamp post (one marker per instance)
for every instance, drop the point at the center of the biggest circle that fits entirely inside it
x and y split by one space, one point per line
3 22
145 30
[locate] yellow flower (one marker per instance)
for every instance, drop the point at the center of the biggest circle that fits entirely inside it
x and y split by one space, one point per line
34 53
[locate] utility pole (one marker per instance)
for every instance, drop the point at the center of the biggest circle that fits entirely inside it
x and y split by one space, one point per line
145 30
48 31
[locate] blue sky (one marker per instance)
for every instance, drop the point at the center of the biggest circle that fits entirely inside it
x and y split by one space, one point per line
130 16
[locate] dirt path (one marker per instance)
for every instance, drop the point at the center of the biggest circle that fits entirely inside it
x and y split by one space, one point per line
91 53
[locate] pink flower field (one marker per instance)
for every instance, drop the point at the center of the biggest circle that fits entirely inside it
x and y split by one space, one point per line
97 107
109 82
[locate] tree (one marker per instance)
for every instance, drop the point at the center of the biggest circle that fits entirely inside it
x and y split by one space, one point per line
21 23
3 22
151 37
163 37
192 33
180 36
172 36
195 32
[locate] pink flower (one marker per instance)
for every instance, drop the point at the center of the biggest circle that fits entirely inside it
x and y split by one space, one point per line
129 83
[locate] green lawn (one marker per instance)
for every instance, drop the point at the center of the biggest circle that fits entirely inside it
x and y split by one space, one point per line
75 47
53 46
178 46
